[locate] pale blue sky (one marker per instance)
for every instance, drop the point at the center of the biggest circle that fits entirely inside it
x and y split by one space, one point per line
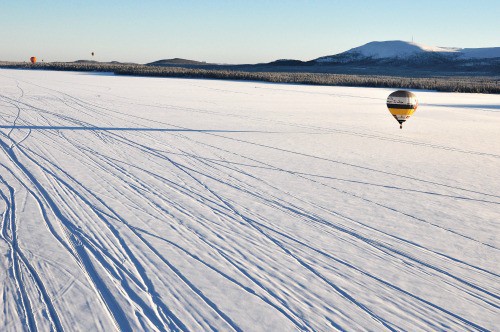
234 31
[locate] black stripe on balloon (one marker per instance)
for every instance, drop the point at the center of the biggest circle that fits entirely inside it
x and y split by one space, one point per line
401 106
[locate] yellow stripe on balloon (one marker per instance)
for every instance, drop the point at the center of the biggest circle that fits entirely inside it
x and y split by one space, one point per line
401 111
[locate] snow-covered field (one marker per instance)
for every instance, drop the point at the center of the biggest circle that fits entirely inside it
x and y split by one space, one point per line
169 204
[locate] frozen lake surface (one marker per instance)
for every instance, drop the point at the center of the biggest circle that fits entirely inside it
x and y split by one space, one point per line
172 204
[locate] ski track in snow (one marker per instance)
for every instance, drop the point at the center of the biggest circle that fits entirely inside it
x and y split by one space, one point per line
186 205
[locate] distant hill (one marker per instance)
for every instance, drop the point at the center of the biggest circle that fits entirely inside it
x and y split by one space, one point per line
400 54
177 61
395 57
401 50
288 62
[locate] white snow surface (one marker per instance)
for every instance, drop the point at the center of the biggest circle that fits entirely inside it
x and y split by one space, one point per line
173 204
402 49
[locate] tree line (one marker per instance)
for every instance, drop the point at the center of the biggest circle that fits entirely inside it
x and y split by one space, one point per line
470 84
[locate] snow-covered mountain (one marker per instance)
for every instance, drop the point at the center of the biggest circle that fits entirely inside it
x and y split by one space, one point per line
402 50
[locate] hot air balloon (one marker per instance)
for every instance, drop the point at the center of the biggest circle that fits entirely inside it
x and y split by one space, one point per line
33 59
92 53
402 104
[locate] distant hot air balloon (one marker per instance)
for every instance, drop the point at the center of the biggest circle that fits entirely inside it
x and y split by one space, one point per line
92 53
402 104
33 59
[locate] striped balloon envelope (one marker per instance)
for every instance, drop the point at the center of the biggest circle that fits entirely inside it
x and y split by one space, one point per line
402 104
